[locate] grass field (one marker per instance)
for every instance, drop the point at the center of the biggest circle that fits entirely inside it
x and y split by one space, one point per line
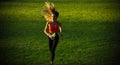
91 33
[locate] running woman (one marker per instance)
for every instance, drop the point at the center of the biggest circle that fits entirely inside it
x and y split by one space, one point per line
52 27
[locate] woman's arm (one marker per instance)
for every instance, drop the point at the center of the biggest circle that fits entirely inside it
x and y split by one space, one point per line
60 28
45 30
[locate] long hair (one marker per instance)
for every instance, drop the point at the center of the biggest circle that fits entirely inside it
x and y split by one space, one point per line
49 10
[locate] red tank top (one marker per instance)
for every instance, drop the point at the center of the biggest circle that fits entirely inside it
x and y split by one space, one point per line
53 27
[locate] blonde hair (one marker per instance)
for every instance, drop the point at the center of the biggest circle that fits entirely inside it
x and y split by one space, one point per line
49 10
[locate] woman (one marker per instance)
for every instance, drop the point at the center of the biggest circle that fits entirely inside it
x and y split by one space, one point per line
52 27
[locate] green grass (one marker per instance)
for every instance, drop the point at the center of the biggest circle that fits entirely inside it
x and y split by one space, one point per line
90 34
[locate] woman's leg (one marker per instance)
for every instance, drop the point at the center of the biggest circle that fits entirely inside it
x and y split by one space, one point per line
55 42
50 44
50 48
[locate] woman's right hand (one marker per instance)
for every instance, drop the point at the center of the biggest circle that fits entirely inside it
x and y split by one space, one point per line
50 36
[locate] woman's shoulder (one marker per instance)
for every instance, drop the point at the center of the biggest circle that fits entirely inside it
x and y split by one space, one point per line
48 22
58 22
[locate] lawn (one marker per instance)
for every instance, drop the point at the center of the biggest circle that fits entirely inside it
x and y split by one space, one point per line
90 33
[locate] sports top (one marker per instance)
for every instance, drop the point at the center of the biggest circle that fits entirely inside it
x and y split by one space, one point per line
53 27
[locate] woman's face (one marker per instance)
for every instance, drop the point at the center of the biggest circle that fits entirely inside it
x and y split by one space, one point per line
50 18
